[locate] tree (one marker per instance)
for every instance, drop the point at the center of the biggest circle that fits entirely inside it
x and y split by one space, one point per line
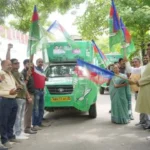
22 10
94 22
3 4
135 14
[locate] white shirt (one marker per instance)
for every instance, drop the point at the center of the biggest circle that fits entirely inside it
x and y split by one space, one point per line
133 70
6 85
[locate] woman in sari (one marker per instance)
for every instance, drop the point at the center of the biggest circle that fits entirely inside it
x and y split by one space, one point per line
120 97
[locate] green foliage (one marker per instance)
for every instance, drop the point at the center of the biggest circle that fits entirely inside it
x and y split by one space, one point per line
3 4
93 24
22 10
135 14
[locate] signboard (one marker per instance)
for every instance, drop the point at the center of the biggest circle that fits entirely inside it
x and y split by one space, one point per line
62 51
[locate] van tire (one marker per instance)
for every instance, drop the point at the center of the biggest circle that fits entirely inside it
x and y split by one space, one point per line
92 111
102 90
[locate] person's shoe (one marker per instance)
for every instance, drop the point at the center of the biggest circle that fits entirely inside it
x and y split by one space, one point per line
131 117
146 127
14 140
7 145
2 147
24 134
45 125
29 131
148 138
36 128
21 137
138 124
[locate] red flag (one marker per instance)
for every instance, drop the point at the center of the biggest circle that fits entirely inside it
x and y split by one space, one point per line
126 33
115 17
35 16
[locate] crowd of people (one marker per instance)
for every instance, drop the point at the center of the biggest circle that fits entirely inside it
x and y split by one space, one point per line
131 77
21 99
22 95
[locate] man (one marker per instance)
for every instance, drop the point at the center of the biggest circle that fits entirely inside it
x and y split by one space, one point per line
122 66
134 71
21 96
39 83
29 104
143 101
138 70
8 104
145 59
144 117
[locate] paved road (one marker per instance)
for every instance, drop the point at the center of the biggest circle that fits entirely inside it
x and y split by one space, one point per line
73 131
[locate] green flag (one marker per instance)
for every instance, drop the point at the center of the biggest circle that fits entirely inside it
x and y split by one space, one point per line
128 49
34 34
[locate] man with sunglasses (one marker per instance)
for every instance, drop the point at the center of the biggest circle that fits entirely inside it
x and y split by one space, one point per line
21 96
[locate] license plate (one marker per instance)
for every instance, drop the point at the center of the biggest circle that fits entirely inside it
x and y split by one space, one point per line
60 99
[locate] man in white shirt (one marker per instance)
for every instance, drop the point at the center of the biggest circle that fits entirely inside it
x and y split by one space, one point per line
135 74
138 70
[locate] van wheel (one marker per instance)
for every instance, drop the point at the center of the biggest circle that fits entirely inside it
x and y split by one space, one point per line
102 90
92 111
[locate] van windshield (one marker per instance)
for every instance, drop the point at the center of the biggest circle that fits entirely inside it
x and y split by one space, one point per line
60 71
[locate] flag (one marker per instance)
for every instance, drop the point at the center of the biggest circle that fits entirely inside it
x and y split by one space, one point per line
128 47
43 44
100 55
98 51
115 33
126 34
34 34
56 25
92 72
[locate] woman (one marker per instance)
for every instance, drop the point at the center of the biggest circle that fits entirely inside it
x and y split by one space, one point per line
120 96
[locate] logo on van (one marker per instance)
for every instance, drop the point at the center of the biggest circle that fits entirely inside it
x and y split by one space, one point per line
61 90
76 51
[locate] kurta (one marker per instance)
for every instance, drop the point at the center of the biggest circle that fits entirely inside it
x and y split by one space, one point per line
143 100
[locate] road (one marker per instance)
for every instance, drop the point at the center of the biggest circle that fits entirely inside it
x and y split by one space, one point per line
71 130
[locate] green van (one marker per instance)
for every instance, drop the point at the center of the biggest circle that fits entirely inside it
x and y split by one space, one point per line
63 88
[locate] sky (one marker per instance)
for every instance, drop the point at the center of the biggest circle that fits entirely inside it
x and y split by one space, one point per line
66 20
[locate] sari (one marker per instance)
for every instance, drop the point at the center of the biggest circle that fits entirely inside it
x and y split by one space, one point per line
120 100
